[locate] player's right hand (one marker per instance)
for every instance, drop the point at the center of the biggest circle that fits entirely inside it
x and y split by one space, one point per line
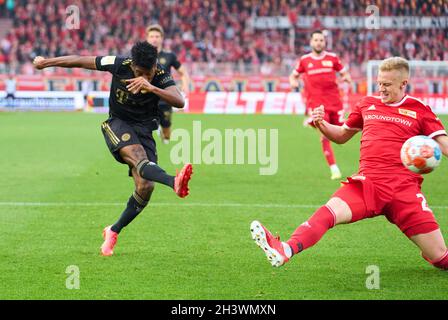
318 114
38 62
294 83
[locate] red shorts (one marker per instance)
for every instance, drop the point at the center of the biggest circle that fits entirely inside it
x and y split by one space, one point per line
401 202
335 117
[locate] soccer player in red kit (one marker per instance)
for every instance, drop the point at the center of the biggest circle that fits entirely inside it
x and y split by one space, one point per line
319 70
383 186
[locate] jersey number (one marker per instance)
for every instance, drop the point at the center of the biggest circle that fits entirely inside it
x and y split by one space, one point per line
424 203
122 96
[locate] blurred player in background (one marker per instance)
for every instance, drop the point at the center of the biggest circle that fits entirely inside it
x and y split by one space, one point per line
11 86
138 83
168 60
383 185
321 88
86 88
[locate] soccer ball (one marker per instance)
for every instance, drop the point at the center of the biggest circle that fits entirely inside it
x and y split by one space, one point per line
421 154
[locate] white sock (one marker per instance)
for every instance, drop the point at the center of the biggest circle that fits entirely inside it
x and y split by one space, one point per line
287 249
334 167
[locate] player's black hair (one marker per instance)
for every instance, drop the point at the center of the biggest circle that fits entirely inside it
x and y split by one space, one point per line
144 55
316 32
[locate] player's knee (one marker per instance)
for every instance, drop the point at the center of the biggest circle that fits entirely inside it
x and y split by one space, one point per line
133 154
141 165
145 188
441 262
341 210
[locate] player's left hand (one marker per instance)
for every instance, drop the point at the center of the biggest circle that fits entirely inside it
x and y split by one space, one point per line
139 84
318 114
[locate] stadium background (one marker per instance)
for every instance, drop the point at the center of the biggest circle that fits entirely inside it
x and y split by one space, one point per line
227 46
59 186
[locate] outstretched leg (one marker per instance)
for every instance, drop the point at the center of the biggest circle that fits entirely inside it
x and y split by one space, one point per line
336 211
433 248
135 156
347 205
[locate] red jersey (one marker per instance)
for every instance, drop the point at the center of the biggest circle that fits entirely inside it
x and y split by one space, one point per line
385 127
320 79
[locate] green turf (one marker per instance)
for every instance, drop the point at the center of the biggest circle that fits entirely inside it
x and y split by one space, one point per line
194 248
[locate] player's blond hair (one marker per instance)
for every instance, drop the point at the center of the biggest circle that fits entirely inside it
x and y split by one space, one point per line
155 27
395 63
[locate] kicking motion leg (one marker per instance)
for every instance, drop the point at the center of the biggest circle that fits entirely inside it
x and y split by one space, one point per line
336 211
145 173
433 248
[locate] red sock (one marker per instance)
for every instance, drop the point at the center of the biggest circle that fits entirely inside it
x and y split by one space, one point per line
328 151
441 263
310 232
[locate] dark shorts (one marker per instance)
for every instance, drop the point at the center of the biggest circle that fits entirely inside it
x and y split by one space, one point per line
119 133
165 114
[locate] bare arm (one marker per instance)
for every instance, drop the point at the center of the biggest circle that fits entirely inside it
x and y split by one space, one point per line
85 62
345 76
185 77
294 79
171 95
443 142
337 134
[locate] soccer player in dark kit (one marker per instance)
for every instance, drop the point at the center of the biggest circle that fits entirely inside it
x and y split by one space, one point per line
138 83
167 60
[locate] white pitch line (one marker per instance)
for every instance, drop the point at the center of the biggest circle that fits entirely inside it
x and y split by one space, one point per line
161 204
166 204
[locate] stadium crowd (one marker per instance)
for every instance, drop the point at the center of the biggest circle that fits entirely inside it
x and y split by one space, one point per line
210 31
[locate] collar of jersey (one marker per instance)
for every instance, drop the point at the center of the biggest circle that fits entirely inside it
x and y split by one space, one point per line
320 57
399 103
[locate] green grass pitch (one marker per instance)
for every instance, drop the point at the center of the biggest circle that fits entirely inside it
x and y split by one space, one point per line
198 247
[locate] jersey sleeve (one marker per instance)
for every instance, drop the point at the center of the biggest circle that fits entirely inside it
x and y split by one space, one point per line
337 65
162 79
431 125
108 63
176 63
355 120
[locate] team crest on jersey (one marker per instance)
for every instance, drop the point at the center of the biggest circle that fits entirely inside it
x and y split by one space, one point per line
162 60
408 113
125 137
327 63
